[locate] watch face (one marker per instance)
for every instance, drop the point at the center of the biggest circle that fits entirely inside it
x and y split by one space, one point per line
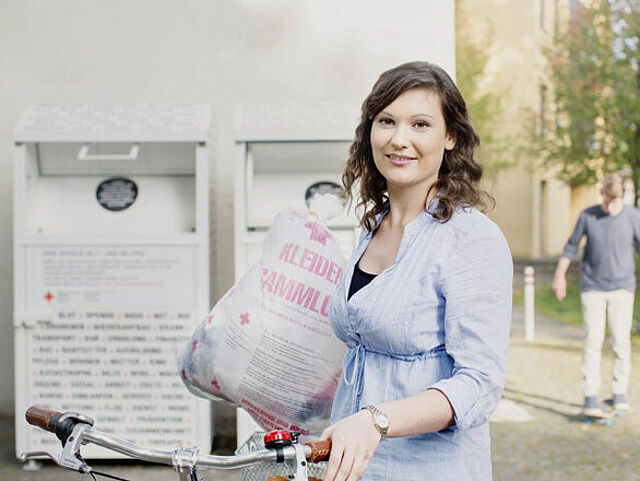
382 421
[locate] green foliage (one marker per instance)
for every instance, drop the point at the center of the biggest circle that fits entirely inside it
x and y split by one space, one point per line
595 80
570 309
472 55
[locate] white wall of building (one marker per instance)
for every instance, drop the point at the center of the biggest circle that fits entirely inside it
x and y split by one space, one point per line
292 56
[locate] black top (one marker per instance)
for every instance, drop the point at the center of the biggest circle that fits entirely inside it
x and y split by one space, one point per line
359 280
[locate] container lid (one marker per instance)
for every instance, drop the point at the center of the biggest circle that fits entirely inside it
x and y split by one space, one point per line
114 123
289 121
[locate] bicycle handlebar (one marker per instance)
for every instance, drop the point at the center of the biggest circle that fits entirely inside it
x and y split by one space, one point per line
62 424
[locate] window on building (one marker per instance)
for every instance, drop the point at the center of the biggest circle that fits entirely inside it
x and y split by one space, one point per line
574 8
543 108
542 14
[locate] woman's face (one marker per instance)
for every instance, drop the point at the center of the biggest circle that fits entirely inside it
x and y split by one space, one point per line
408 140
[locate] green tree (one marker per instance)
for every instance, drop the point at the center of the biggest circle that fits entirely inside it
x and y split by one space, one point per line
473 47
595 81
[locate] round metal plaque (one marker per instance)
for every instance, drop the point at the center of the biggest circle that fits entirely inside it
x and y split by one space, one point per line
117 193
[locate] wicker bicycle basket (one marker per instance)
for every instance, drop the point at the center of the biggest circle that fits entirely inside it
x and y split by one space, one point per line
262 471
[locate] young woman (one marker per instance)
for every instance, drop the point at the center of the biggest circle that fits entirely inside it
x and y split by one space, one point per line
425 304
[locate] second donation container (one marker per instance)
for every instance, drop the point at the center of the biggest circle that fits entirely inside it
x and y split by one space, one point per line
273 173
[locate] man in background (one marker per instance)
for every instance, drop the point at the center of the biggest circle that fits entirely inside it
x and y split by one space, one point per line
607 285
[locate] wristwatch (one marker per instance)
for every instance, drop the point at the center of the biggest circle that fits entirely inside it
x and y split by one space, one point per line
380 420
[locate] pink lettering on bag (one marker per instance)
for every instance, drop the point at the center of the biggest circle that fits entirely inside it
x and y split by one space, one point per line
295 292
309 261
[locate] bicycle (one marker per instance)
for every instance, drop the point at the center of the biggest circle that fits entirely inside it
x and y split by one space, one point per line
75 429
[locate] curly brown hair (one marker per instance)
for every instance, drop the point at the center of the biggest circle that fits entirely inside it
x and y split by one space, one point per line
459 173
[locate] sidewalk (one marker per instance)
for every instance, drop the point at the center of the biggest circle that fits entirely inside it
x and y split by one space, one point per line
544 379
543 385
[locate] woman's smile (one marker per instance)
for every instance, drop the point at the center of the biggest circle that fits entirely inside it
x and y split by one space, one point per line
400 160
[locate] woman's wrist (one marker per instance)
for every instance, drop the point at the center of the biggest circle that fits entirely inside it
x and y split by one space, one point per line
379 419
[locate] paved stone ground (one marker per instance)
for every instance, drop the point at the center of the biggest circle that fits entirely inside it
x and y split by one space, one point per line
543 385
544 378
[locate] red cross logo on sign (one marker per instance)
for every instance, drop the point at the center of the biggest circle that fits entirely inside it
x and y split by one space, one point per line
48 296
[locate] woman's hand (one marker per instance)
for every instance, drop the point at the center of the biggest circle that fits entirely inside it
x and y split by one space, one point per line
353 442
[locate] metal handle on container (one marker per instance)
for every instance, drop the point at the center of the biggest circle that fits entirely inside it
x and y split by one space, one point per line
84 154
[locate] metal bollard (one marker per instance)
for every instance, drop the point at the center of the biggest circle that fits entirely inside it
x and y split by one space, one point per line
529 306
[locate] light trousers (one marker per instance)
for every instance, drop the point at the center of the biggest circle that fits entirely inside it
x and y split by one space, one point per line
598 307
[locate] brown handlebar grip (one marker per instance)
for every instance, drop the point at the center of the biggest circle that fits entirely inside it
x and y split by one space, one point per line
40 417
285 478
320 451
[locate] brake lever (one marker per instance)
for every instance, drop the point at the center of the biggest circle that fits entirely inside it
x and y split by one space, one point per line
27 455
69 457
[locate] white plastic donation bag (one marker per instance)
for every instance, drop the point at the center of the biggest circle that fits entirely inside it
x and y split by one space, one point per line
268 345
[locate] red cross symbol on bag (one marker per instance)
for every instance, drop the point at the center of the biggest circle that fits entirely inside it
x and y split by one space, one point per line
318 232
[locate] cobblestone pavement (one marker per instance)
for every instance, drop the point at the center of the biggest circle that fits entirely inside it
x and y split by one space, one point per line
544 378
543 382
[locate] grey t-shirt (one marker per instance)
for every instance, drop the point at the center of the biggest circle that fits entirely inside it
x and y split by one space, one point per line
608 262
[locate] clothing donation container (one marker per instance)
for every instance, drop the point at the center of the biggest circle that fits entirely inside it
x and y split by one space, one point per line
276 171
111 268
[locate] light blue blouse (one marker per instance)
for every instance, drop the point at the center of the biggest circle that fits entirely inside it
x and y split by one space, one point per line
437 318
